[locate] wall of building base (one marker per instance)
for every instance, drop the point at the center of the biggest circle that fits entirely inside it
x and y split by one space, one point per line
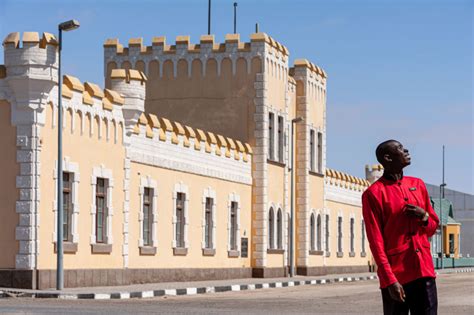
325 270
22 279
46 279
276 272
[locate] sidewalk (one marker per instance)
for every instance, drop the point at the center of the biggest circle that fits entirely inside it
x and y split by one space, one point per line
150 290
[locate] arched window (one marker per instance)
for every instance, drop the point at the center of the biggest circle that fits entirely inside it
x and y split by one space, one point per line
279 230
352 235
311 232
271 231
318 233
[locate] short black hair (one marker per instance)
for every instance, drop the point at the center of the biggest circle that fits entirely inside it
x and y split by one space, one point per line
382 150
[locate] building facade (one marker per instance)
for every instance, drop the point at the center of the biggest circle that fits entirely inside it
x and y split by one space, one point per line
180 169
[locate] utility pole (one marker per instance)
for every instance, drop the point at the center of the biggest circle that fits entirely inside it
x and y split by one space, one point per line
441 197
209 18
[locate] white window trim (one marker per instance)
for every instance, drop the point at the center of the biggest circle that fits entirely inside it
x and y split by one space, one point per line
102 172
209 193
181 188
73 168
233 197
148 182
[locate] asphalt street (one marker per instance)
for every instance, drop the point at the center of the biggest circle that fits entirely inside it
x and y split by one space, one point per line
455 292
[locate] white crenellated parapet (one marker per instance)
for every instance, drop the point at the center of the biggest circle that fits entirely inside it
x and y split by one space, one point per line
372 174
131 85
345 188
31 73
138 56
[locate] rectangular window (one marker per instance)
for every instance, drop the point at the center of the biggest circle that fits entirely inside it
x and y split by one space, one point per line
352 235
180 220
147 216
363 236
451 243
320 152
209 223
312 165
271 136
233 225
281 133
327 233
101 210
339 234
67 206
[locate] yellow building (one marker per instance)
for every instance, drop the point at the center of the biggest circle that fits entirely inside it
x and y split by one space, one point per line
180 169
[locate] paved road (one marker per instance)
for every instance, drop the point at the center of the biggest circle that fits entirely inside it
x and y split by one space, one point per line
456 292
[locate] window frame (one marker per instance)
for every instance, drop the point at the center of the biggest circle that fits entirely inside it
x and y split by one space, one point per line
271 136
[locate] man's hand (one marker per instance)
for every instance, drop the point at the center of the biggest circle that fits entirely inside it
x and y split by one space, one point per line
414 211
396 292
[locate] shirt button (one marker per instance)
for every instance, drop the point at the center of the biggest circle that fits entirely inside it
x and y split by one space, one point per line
417 250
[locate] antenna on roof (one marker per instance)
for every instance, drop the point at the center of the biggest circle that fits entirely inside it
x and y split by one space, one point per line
235 17
256 27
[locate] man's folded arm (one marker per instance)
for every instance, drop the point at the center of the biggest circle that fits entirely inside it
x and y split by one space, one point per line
431 225
371 211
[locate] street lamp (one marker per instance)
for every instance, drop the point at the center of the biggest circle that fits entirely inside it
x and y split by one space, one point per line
292 215
65 26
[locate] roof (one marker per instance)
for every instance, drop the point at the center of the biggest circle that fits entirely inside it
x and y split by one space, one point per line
446 207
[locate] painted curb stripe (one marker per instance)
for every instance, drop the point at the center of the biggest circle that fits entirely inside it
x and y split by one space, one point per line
191 291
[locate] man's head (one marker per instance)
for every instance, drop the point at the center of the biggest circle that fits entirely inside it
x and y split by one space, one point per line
392 155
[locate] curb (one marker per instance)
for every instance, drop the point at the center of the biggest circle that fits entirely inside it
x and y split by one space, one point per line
191 291
176 292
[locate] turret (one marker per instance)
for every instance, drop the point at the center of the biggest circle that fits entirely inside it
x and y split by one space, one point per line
372 174
31 73
131 85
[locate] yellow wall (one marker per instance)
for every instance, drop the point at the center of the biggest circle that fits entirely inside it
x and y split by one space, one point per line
276 195
316 203
221 104
452 229
89 152
166 179
276 78
8 192
346 209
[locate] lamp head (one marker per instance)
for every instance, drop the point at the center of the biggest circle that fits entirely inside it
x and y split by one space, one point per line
297 120
69 25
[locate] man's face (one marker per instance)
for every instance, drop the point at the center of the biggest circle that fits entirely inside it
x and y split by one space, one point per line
398 154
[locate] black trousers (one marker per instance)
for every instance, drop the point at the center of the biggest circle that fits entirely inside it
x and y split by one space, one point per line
421 299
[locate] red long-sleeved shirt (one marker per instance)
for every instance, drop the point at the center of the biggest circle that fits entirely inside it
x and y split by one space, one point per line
399 243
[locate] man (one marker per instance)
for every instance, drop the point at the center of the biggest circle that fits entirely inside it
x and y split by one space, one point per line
399 219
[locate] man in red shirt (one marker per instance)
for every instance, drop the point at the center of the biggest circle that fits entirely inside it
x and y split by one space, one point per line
399 220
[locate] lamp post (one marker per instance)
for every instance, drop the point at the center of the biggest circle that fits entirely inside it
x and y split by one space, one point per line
235 17
292 215
441 197
65 26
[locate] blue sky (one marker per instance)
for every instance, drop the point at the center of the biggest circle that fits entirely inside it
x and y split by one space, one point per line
397 69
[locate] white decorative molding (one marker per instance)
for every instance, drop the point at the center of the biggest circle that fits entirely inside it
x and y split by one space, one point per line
148 182
186 159
343 195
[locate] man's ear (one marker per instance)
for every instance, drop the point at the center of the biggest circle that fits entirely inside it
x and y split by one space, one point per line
387 157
